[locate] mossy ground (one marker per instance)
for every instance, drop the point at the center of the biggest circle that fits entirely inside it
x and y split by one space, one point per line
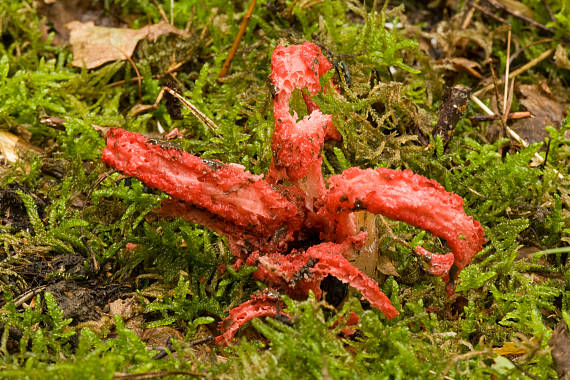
67 223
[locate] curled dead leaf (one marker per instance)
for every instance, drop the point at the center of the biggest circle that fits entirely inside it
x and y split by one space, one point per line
93 45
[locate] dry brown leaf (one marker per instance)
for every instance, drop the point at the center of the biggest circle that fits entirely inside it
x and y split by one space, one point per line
547 110
10 144
510 349
467 65
57 13
560 343
366 258
158 336
125 308
156 290
518 7
561 57
386 266
93 45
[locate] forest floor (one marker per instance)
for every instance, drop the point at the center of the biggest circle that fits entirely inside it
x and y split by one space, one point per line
95 283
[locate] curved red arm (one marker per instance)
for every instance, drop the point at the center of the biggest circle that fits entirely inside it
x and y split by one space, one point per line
411 198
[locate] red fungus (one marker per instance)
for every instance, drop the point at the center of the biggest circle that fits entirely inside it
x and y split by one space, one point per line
264 219
260 305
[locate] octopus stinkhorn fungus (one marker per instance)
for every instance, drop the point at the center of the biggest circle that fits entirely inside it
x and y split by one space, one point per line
267 220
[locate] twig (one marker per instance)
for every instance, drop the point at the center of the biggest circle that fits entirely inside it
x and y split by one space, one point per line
241 32
468 17
510 116
162 14
190 20
29 294
549 11
139 77
512 133
195 111
520 70
140 108
507 66
520 16
517 53
508 102
490 14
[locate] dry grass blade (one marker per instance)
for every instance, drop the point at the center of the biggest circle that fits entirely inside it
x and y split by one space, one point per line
507 66
519 71
195 111
241 32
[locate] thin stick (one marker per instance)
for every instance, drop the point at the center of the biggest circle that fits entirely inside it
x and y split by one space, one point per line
519 15
190 20
518 52
511 116
512 133
492 15
162 14
507 65
241 32
482 105
549 11
508 102
520 70
29 294
195 111
139 77
468 17
171 12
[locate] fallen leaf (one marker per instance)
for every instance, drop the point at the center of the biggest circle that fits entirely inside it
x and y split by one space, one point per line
460 63
10 144
125 308
57 13
369 259
510 349
386 266
93 45
158 336
547 110
560 343
366 259
518 7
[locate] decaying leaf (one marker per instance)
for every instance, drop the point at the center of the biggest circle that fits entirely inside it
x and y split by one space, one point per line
510 349
366 259
93 45
123 307
518 7
57 13
547 110
464 64
158 336
10 144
